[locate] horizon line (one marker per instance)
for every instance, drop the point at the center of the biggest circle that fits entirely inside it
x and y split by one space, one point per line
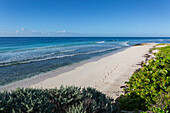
87 36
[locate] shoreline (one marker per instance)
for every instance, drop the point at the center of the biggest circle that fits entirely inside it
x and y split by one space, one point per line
27 82
106 73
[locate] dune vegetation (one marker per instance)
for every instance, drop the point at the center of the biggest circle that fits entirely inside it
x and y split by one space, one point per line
63 100
149 88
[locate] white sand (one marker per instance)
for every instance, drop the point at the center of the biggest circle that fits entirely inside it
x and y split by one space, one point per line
159 46
107 74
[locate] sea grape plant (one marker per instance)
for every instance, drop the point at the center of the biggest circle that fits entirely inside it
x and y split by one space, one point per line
152 83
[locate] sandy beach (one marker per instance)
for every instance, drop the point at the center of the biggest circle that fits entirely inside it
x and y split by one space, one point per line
107 74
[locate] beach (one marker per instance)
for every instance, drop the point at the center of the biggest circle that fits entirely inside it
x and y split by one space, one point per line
107 74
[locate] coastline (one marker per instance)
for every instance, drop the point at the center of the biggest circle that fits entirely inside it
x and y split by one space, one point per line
27 82
106 73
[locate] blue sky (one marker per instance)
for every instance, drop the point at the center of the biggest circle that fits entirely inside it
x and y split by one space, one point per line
85 18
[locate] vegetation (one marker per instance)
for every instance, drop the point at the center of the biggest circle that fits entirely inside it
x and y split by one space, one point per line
149 89
163 44
70 99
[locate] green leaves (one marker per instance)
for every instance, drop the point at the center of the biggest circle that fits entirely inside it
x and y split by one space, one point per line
64 99
152 82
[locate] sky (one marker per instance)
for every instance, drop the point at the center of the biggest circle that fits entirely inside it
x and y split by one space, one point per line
122 18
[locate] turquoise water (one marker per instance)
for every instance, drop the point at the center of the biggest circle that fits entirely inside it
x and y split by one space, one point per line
23 57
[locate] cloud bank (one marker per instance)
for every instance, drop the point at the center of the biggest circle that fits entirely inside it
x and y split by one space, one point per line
34 33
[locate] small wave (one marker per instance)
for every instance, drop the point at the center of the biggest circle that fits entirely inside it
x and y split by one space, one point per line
101 51
29 56
125 43
65 51
112 40
35 60
54 57
100 42
160 40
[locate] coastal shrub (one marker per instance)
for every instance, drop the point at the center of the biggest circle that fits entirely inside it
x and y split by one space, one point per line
25 100
76 109
131 102
62 100
151 84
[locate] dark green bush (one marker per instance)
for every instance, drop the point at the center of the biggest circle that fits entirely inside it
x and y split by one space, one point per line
151 84
62 100
131 102
25 100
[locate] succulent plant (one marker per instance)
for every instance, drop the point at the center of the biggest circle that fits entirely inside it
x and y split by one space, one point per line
64 99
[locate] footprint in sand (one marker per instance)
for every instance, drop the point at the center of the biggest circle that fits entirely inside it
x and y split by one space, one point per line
106 82
111 71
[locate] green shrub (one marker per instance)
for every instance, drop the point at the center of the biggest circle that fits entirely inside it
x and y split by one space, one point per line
131 101
151 84
76 109
62 100
25 100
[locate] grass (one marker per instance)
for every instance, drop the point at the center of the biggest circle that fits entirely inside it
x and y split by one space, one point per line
163 44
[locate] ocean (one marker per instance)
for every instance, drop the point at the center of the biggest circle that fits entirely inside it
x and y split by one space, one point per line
24 57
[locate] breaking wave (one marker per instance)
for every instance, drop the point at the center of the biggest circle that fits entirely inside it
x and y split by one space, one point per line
100 42
125 43
53 57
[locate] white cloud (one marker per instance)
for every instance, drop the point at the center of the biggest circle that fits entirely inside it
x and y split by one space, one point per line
22 29
64 31
26 32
